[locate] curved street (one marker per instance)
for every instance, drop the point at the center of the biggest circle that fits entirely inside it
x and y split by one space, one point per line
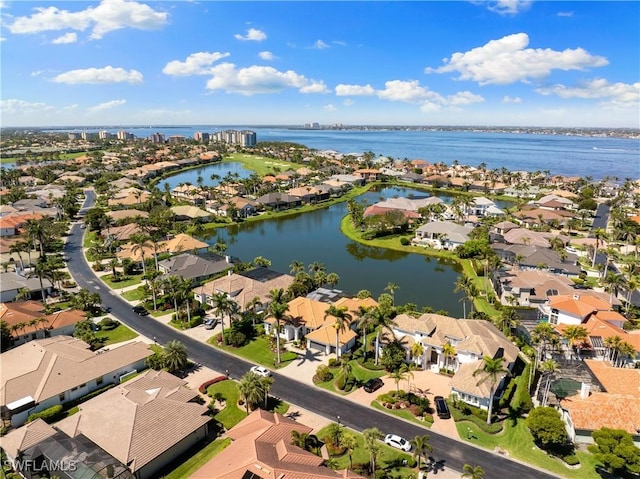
449 452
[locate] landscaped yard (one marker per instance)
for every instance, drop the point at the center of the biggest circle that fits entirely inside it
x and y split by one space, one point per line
261 165
130 281
134 294
116 335
361 375
258 351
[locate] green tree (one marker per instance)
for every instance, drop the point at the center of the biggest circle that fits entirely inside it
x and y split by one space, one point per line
350 443
393 355
222 306
342 319
85 300
421 447
251 390
615 449
547 427
492 370
277 310
382 320
576 336
6 338
472 472
175 356
372 444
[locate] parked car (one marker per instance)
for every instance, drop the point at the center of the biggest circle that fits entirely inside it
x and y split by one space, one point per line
210 323
442 408
398 442
373 384
140 310
83 226
260 371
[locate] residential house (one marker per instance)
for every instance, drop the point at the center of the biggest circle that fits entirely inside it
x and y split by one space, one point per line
471 340
483 207
532 216
533 257
122 233
28 320
616 407
261 448
530 287
572 309
126 215
177 244
278 201
129 197
14 282
368 174
51 371
190 213
11 224
503 227
311 193
244 287
442 235
196 268
603 326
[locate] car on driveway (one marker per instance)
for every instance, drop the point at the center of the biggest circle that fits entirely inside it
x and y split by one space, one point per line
140 310
260 371
398 442
373 384
442 408
210 323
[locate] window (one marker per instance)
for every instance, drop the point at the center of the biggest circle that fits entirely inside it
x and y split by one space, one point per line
61 397
99 381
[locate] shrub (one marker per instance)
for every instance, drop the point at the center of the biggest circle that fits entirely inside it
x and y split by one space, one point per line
333 362
49 415
571 460
404 241
323 373
108 324
371 365
341 382
235 338
205 385
416 410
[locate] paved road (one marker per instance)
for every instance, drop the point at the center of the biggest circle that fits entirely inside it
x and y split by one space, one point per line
449 452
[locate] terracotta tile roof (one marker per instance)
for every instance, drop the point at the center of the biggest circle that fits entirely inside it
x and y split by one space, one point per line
578 304
307 312
262 446
21 312
353 304
140 419
615 380
327 335
122 214
44 368
600 410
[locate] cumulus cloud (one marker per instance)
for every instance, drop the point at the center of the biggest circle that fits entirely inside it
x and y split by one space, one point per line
616 94
320 45
508 60
253 34
195 64
266 55
260 79
108 16
106 106
508 7
354 90
508 99
70 37
107 74
14 106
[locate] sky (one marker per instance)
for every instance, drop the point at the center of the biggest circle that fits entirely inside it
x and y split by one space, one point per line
485 63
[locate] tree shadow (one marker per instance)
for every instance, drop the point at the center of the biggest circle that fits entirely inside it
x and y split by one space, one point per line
309 355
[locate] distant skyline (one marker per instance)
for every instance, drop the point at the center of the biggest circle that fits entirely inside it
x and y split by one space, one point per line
493 63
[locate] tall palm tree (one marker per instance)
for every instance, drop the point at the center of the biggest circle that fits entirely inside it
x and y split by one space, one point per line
492 370
612 344
398 375
251 390
171 285
421 447
222 306
472 472
139 242
417 350
548 367
382 319
266 382
408 370
372 444
296 267
392 288
600 235
342 319
278 311
576 336
175 355
349 443
364 321
449 351
466 286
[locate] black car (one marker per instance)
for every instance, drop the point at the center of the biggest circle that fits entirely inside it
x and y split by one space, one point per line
373 385
140 310
442 408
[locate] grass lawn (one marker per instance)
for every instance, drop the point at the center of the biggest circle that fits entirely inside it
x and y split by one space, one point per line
402 414
389 459
134 294
361 375
133 279
89 238
261 165
517 440
258 351
197 460
116 335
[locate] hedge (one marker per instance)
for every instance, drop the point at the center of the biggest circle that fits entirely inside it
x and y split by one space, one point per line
49 415
205 385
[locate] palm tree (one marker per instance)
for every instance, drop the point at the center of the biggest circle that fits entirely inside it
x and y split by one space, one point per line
449 351
612 283
600 234
508 321
548 367
612 343
266 382
186 294
417 350
472 472
175 356
575 335
335 432
421 447
408 370
398 375
300 439
251 390
222 305
296 267
364 321
382 319
278 311
350 443
139 242
20 247
466 286
171 285
492 370
372 438
626 350
341 323
392 288
346 369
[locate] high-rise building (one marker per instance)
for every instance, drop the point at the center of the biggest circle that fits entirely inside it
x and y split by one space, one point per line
248 138
235 137
201 137
125 135
157 138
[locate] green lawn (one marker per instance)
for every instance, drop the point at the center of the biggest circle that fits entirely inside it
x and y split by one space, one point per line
517 440
406 415
133 279
260 164
196 461
89 238
361 375
116 335
258 351
134 294
389 459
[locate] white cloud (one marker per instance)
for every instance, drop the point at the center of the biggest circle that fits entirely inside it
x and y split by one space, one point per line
505 7
339 42
565 14
320 45
354 90
106 106
405 91
507 60
348 102
616 94
107 74
329 107
260 79
464 98
70 37
508 99
266 55
196 64
108 16
253 34
37 73
14 106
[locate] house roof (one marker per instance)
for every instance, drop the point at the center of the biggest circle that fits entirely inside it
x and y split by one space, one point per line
140 419
375 210
408 204
178 244
327 334
21 312
307 312
578 305
615 380
124 232
600 410
526 237
191 266
464 381
13 281
190 211
262 448
122 214
44 368
353 304
542 283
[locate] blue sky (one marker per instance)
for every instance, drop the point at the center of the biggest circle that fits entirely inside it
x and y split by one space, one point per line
507 62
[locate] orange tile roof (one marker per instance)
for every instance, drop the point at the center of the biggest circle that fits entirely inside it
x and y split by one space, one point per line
308 312
23 312
578 305
615 380
600 410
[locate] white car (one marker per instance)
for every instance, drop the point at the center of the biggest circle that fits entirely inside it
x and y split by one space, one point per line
397 442
260 371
